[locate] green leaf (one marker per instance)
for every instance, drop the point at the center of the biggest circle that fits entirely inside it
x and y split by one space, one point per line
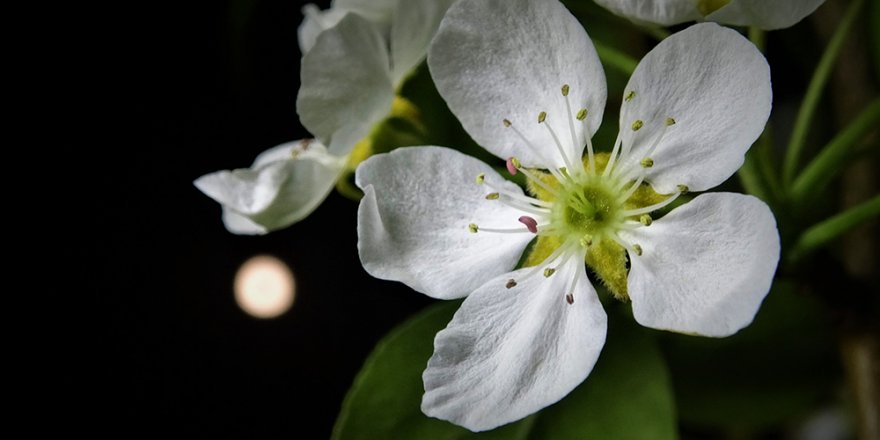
771 373
627 396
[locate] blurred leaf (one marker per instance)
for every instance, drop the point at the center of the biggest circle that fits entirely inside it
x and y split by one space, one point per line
769 373
630 383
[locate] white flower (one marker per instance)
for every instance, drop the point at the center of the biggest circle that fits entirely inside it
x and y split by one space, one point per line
764 14
350 73
524 80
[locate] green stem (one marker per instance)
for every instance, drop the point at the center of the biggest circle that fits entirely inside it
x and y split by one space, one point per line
615 58
751 179
344 187
814 92
756 36
656 32
835 154
821 233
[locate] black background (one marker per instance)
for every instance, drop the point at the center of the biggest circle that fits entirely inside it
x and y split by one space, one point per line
147 98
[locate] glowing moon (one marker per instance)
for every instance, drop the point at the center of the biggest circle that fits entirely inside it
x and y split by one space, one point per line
264 287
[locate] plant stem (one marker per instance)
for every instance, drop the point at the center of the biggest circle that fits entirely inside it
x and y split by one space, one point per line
821 233
615 58
835 154
814 92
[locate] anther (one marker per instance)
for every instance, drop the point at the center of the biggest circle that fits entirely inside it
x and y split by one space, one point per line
637 124
531 224
549 271
565 90
586 240
569 298
682 188
670 121
647 162
473 228
511 283
507 122
637 249
542 117
581 114
512 165
629 96
493 196
646 219
481 178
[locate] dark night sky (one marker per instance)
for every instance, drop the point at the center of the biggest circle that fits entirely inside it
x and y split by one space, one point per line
151 338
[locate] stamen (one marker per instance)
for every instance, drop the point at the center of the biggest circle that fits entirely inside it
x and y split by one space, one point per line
548 272
481 178
531 176
637 249
541 118
586 241
582 114
652 208
519 197
569 298
513 203
629 96
613 157
511 283
646 219
632 189
512 165
572 285
647 162
473 228
683 189
531 224
538 151
574 141
493 196
637 125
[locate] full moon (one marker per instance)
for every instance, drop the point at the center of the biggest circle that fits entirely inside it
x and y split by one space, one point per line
264 287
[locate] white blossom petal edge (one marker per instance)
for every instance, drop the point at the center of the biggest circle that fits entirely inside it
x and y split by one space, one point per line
763 14
284 185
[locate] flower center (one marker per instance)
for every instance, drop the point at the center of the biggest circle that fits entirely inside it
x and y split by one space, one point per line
582 208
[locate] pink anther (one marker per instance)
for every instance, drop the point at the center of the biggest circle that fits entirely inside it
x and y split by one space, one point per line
510 167
530 223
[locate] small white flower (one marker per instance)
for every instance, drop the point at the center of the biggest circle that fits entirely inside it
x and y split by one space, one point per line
764 14
524 80
355 58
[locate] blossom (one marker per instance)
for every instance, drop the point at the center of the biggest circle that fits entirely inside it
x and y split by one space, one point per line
524 80
764 14
356 56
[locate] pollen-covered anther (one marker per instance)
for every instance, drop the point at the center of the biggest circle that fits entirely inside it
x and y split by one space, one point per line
507 122
646 219
493 196
629 96
531 224
569 298
565 89
581 114
682 188
637 249
670 121
473 228
511 283
542 117
549 271
647 162
481 178
512 165
638 124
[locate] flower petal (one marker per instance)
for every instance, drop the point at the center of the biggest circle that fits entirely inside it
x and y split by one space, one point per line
716 86
413 221
413 25
508 353
314 22
345 84
706 266
377 11
765 14
497 59
662 12
277 191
